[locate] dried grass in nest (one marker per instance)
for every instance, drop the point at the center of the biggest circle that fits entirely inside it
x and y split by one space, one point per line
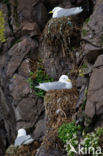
64 100
51 140
60 32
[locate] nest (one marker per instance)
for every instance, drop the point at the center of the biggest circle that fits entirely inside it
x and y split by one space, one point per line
60 105
61 32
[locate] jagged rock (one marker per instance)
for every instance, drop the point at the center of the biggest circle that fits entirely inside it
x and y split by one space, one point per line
53 3
40 14
28 112
19 88
31 28
7 123
40 130
24 69
93 34
17 53
26 105
94 105
51 152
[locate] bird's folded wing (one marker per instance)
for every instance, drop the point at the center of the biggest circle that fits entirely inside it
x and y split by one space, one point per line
69 12
52 85
20 140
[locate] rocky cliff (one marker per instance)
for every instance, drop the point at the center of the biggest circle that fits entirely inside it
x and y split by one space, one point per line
30 40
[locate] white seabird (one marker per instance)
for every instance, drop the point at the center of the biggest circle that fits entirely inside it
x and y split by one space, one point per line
23 138
60 12
63 83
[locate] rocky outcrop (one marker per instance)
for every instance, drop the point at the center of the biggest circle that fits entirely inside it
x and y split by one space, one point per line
94 105
93 34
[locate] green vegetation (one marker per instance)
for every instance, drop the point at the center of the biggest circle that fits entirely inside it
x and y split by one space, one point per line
84 32
87 20
81 70
68 133
40 77
85 99
92 139
2 27
67 130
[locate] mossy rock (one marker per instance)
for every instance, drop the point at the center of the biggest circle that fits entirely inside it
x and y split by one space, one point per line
2 27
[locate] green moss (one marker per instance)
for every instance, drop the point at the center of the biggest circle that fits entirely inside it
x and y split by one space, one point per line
87 20
40 77
67 130
2 27
84 32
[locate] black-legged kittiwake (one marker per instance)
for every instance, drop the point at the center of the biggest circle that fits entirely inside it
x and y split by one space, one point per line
60 12
63 83
23 138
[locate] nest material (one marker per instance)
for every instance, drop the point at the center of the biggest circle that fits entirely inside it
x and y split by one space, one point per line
60 105
23 150
61 31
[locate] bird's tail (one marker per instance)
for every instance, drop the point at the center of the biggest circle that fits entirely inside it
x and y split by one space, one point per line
37 86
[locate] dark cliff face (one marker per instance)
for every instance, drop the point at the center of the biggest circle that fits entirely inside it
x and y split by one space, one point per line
65 46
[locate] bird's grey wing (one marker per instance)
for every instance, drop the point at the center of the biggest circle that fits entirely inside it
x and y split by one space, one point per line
53 85
20 140
69 12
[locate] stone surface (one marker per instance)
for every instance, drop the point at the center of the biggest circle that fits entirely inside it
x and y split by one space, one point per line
93 34
39 11
40 130
17 53
24 69
51 152
19 87
94 106
31 29
7 123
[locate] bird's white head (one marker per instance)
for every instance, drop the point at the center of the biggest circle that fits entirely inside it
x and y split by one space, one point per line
64 78
56 9
21 132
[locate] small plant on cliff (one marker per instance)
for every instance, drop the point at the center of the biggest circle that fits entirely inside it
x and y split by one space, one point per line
2 27
39 77
68 134
93 140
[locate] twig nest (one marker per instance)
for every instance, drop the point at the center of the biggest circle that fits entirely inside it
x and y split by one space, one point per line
60 105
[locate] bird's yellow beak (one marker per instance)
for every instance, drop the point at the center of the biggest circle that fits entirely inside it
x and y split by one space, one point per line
68 80
50 12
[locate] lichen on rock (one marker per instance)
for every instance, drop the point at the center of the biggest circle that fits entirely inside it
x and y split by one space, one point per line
2 27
